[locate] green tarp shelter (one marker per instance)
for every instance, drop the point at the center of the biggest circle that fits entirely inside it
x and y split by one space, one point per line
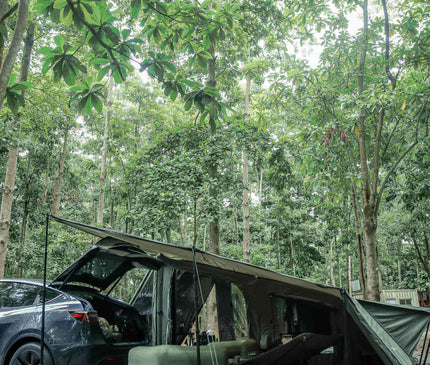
393 331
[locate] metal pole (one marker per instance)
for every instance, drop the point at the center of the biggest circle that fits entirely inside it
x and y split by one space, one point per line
196 306
424 344
42 336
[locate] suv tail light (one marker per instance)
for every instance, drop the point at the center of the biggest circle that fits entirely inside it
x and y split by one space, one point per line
85 316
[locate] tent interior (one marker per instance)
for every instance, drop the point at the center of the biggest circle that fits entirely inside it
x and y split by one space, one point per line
250 315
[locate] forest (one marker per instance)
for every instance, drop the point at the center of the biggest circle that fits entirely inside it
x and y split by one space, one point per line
293 135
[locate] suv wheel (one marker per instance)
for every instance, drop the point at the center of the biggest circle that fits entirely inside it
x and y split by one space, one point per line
29 354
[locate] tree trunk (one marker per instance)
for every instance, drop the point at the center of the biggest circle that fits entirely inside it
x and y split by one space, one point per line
349 276
12 158
45 188
293 264
56 192
103 173
19 271
213 196
399 270
245 206
183 228
278 247
333 282
245 201
13 49
371 253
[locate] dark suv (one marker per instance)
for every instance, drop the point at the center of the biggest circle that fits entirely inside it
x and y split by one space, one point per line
83 323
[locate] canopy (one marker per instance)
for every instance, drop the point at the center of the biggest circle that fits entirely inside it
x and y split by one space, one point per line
301 288
404 323
392 331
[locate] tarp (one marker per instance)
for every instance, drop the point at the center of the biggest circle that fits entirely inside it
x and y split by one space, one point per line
302 288
390 352
405 324
392 331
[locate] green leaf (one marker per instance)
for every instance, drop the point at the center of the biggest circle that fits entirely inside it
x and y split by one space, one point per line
170 66
66 16
77 88
12 79
97 103
59 41
188 104
98 61
60 4
205 4
201 61
125 33
12 103
173 94
88 106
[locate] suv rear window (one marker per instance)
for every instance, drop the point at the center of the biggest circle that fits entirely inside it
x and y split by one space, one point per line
17 294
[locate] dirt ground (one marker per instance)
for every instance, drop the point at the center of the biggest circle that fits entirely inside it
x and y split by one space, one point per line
419 349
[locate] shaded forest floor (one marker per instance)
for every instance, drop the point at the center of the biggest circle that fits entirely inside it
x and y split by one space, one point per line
419 349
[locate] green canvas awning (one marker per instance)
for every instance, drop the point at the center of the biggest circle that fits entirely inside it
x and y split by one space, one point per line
393 331
388 337
214 263
404 323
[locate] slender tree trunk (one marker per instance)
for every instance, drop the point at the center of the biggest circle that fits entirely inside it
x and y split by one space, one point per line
13 49
260 189
59 179
292 255
333 282
349 275
422 258
103 173
245 206
399 270
46 187
362 272
213 196
245 201
9 183
19 272
183 228
278 247
195 224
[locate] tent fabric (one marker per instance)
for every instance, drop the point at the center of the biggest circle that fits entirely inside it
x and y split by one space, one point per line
306 288
390 352
404 324
391 332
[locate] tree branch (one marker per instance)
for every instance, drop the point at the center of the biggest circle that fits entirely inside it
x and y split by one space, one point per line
108 48
420 256
391 171
387 46
9 13
376 152
390 137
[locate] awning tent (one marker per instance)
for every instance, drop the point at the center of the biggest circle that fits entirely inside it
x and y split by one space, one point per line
392 331
215 263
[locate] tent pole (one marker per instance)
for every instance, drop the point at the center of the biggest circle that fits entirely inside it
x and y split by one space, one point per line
424 346
42 335
196 306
